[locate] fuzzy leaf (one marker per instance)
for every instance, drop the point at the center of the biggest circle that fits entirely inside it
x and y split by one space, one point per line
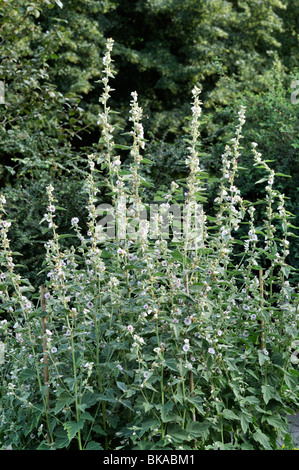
65 399
72 428
92 445
262 439
245 421
229 414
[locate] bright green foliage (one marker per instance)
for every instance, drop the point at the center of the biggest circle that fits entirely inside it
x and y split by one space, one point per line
272 122
38 126
77 66
163 48
289 37
52 66
34 121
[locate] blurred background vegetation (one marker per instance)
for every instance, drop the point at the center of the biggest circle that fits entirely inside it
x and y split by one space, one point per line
237 51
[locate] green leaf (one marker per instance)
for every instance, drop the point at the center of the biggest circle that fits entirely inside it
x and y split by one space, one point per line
108 396
92 445
222 446
89 399
282 174
87 416
179 397
198 429
147 184
147 406
268 393
229 414
72 428
245 421
262 439
164 409
149 423
252 400
197 402
149 386
122 147
26 374
262 358
277 422
61 439
262 180
99 430
66 236
171 364
285 271
122 386
65 399
291 381
247 446
178 434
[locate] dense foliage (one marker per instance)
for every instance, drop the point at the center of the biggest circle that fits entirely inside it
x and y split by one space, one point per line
51 68
143 340
148 342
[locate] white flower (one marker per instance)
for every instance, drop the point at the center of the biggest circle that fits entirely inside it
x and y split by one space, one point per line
211 350
74 221
54 350
130 328
188 321
186 347
88 365
265 352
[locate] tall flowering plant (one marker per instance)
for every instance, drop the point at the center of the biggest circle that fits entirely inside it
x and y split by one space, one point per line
142 341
